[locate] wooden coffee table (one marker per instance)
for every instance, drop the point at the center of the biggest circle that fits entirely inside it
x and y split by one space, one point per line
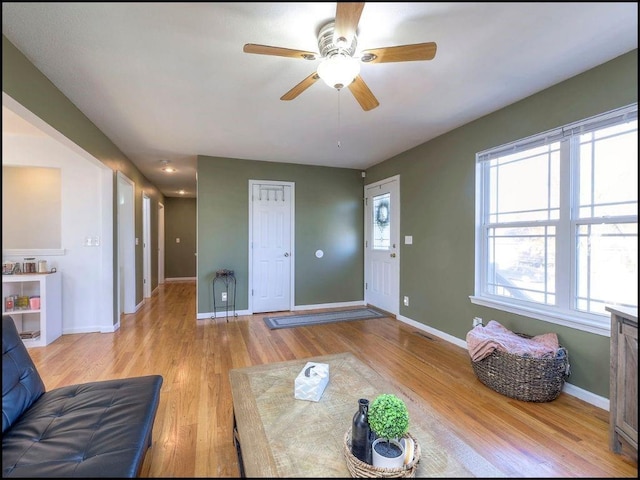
280 436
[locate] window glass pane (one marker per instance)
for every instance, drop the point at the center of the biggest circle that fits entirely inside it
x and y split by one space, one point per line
381 231
558 221
609 172
607 266
522 263
525 186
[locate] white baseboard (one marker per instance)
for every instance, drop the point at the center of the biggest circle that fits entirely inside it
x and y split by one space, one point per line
91 329
84 329
568 388
358 303
587 396
180 279
219 315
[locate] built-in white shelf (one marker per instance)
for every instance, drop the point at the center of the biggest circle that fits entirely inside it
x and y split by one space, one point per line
48 318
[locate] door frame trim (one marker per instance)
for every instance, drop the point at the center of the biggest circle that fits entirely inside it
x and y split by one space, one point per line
367 230
161 246
126 262
292 282
146 246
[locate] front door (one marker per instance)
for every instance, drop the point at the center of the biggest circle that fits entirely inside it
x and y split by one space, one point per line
382 252
271 245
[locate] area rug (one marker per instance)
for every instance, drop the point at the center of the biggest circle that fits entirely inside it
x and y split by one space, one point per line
287 321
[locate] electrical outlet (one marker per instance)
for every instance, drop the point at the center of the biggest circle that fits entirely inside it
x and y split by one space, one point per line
224 296
477 321
406 301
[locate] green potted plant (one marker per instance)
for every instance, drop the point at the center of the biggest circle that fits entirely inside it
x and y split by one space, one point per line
389 419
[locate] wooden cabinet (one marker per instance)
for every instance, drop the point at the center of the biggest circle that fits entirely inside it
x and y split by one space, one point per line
45 318
623 391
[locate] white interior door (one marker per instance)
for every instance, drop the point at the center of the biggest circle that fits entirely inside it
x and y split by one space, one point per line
146 246
271 241
160 244
382 242
126 246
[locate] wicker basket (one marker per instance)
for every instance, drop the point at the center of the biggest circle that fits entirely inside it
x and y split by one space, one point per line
360 469
524 378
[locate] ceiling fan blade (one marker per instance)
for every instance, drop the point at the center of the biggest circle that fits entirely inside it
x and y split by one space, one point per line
278 51
301 87
347 18
401 53
363 95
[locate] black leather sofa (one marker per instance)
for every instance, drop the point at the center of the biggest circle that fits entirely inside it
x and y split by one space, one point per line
95 429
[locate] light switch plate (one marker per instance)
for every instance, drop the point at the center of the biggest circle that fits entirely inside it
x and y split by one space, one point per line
408 239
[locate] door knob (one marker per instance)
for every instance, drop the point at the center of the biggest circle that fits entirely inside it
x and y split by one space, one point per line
393 255
286 254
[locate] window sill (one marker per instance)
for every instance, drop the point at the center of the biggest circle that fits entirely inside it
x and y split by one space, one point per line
579 323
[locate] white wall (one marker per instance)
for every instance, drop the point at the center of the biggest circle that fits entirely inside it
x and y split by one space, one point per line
86 271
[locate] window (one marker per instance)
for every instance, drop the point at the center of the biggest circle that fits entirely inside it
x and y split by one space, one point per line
557 223
381 228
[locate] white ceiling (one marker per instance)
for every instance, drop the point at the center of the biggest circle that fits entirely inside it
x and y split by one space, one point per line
169 81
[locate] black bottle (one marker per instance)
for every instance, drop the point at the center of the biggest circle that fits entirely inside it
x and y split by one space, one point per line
360 432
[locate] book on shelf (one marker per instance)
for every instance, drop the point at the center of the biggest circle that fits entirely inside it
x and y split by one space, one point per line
30 334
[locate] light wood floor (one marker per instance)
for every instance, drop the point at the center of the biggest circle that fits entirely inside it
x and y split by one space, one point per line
193 428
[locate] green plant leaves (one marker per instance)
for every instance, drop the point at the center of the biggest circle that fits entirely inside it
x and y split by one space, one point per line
388 416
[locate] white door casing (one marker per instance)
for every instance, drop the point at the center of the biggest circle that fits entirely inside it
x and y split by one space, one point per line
126 245
160 243
271 243
146 246
382 244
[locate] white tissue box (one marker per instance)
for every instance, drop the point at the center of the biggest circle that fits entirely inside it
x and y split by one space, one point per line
311 381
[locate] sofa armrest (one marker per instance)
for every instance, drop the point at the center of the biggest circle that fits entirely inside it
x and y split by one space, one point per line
96 429
21 382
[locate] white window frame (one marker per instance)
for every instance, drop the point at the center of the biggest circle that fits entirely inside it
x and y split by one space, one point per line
562 313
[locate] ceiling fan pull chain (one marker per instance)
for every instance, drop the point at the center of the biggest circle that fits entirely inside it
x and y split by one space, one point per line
339 117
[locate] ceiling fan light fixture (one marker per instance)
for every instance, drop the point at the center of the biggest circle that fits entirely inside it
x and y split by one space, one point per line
167 168
339 70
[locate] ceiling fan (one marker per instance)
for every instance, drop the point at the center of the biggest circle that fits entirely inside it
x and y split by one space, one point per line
337 42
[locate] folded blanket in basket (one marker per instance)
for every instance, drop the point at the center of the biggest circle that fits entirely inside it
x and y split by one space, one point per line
482 341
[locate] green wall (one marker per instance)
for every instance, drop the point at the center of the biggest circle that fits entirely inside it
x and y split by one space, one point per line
329 216
180 220
23 82
438 210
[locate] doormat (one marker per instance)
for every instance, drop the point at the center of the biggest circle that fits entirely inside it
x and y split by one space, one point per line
287 321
